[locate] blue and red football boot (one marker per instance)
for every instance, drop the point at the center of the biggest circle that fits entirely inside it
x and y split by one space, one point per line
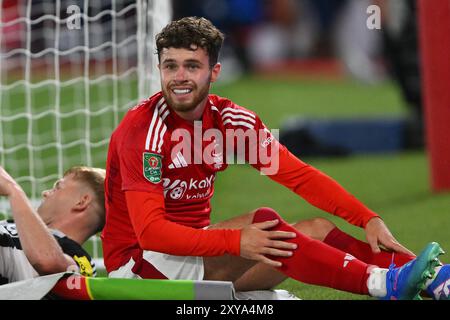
407 281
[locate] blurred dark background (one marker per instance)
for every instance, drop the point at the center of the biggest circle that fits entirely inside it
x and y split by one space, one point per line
321 36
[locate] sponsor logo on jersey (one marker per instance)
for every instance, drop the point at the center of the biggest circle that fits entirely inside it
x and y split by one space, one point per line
178 161
176 189
85 266
152 164
11 229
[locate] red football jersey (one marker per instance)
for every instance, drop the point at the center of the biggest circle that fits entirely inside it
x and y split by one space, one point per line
161 171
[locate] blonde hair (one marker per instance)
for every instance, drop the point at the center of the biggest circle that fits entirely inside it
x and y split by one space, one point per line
94 178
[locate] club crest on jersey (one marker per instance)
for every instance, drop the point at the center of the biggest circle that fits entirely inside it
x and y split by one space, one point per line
152 164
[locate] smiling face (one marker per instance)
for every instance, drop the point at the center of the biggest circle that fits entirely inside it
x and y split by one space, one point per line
186 78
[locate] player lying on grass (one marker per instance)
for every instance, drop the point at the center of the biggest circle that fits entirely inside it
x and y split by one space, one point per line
159 182
49 240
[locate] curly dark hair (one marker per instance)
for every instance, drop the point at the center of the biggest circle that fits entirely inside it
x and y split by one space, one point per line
191 33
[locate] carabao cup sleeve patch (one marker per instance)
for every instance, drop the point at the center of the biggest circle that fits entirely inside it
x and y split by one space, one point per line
152 167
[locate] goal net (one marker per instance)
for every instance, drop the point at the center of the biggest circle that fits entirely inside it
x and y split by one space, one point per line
69 72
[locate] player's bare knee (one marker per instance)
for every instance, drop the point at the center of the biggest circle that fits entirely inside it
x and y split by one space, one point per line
226 267
316 228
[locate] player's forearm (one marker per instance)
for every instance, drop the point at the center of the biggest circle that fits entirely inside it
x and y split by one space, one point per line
320 190
171 238
156 233
326 194
39 246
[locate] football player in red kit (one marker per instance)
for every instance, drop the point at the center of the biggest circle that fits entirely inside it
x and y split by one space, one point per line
162 162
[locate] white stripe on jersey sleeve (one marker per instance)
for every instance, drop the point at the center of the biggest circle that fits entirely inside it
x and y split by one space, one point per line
161 137
238 111
239 123
156 134
238 117
160 102
162 109
150 130
165 114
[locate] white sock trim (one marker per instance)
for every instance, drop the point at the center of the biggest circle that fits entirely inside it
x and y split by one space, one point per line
376 283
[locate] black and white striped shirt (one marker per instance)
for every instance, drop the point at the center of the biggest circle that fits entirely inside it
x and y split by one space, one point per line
14 265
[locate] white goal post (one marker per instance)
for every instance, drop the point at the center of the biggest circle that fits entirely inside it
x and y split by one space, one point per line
69 71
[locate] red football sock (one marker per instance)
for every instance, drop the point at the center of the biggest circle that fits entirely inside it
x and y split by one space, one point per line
317 263
362 250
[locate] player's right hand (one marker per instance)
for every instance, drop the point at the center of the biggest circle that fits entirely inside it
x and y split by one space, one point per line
257 243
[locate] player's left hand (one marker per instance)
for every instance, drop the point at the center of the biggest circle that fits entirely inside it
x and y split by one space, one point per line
378 234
